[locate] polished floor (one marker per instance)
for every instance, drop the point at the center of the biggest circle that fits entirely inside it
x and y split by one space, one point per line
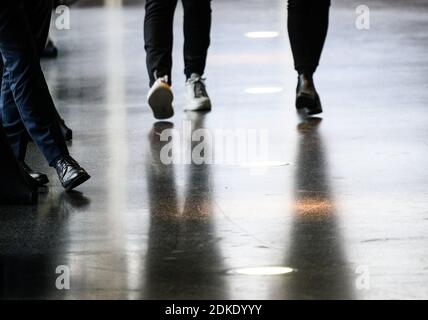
338 210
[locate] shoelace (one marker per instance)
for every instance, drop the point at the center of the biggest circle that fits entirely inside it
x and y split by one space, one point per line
65 163
199 87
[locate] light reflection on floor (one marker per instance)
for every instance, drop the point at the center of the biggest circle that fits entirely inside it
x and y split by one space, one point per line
340 193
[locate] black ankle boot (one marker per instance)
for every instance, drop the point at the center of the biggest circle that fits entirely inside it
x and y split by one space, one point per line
40 178
307 99
70 173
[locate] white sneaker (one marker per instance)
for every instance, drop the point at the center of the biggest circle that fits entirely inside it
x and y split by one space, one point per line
197 98
160 99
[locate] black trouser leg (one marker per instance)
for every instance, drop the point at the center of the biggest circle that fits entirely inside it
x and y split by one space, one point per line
197 28
38 17
33 109
158 37
11 119
16 187
307 29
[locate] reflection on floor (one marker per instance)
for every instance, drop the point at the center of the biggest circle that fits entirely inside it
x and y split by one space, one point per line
338 210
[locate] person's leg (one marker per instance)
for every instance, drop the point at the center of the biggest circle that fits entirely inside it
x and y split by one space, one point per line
16 133
307 29
39 18
16 187
24 76
158 37
14 127
25 79
197 28
38 15
1 81
18 136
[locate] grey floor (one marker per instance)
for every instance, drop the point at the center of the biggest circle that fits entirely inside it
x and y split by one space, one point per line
342 199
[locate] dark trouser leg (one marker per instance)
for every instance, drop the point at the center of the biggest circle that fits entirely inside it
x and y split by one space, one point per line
197 28
38 15
39 18
11 119
23 76
158 37
15 187
307 29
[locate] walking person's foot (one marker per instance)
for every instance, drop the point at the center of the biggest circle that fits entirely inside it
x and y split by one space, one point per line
197 98
50 50
160 99
40 178
70 173
307 98
66 131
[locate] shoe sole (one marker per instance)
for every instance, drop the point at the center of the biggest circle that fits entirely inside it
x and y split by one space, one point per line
77 182
42 181
160 101
308 105
201 107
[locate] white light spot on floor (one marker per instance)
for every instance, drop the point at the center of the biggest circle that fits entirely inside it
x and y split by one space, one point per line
262 271
262 34
264 90
263 164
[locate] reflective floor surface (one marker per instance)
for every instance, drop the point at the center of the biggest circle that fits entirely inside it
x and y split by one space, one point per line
337 210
